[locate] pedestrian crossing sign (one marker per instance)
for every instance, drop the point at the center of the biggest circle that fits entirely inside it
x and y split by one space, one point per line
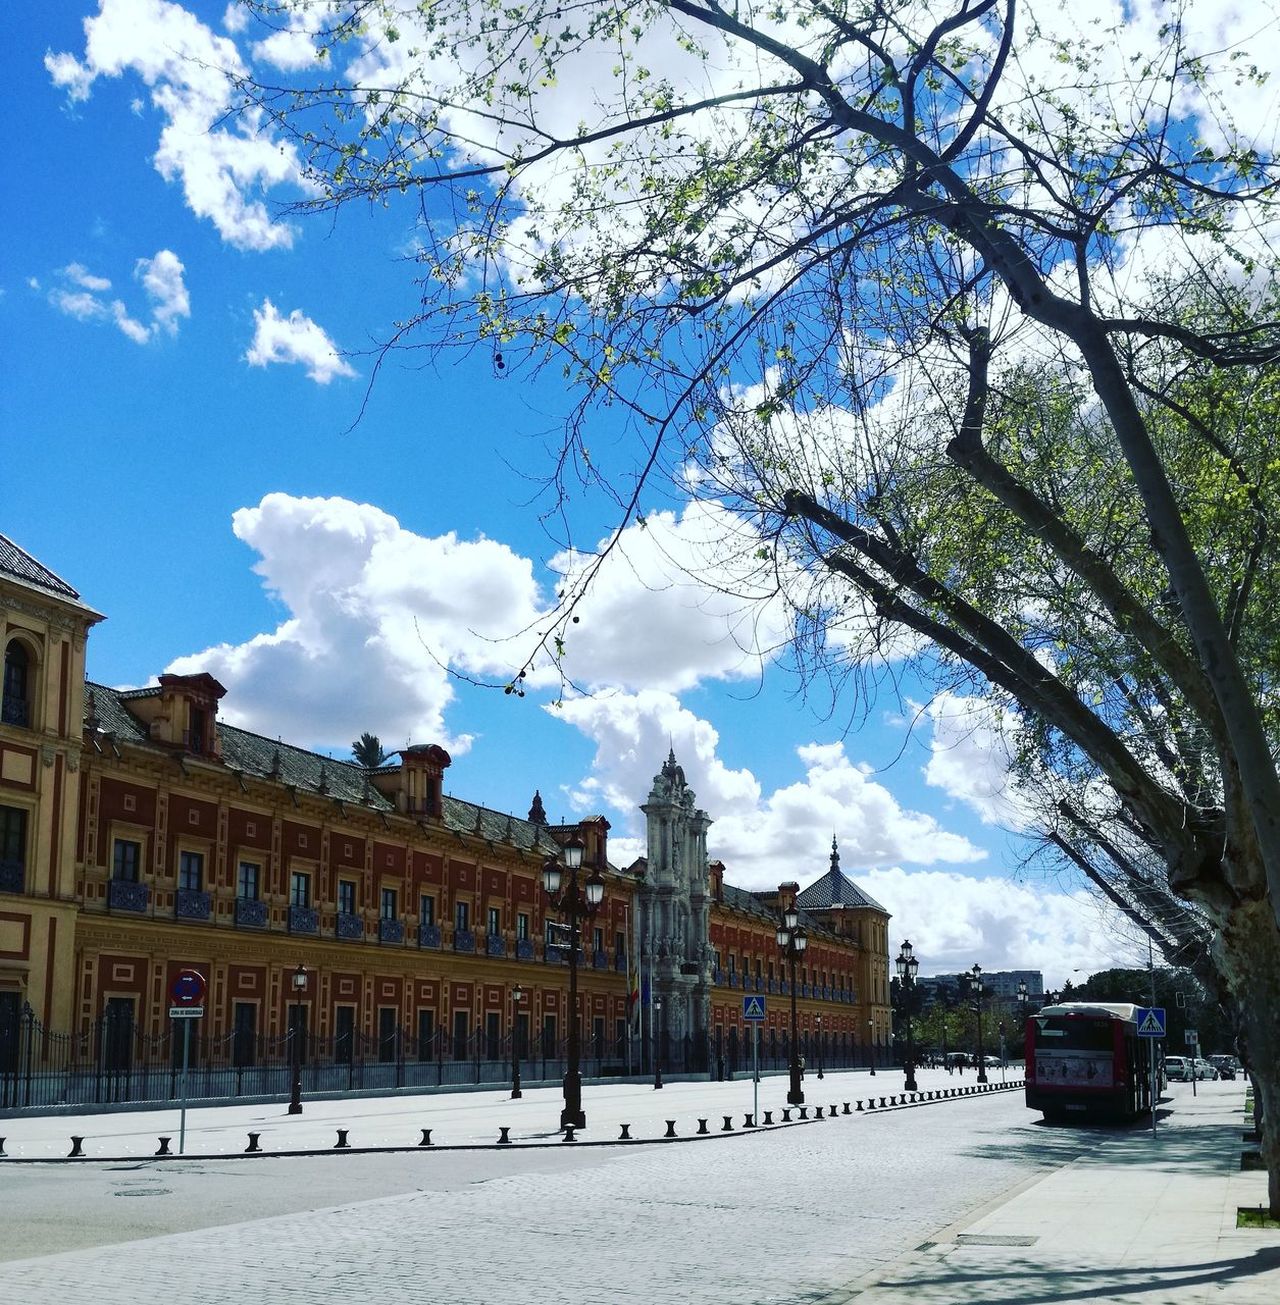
1150 1021
753 1008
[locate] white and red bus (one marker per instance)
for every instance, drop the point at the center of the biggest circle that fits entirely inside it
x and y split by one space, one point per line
1085 1059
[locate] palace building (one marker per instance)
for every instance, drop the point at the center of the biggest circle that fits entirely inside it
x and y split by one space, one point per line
354 916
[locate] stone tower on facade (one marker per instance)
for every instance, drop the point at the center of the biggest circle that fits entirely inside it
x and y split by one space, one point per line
675 903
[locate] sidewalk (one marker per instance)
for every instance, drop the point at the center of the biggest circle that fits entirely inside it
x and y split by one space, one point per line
455 1119
1134 1221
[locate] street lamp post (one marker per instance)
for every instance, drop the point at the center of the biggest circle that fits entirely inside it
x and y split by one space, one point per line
517 994
295 1040
657 1043
907 966
575 904
819 1046
1022 1012
871 1043
975 983
792 940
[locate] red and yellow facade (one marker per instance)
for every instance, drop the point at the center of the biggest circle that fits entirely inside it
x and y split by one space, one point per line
140 837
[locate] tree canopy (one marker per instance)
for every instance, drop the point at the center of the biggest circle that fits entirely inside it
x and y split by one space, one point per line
368 752
966 307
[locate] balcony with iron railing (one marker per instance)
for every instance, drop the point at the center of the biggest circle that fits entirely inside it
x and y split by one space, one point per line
428 935
349 926
495 945
464 940
390 931
128 895
15 711
192 904
304 919
251 913
12 874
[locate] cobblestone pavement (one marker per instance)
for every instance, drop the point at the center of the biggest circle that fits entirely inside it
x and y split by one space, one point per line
789 1216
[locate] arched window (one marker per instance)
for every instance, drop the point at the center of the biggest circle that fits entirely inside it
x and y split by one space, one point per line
16 708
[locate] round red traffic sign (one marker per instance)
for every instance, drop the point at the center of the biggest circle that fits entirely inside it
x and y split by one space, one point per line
188 988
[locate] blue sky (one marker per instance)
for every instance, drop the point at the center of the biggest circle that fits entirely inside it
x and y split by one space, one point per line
186 373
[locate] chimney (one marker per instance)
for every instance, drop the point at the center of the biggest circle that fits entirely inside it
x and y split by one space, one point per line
715 871
422 768
186 716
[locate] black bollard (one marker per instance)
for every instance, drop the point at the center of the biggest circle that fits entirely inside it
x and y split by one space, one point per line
832 1110
342 1144
2 1155
786 1115
768 1119
748 1121
76 1147
847 1111
426 1137
164 1146
625 1135
253 1143
702 1126
569 1134
804 1112
671 1128
817 1114
859 1107
727 1127
504 1135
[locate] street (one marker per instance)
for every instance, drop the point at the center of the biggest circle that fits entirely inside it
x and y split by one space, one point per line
787 1215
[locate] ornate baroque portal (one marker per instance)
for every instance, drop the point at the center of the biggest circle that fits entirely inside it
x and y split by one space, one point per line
674 912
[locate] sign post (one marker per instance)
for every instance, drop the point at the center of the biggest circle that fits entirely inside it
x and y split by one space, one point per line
186 992
1192 1038
753 1013
1151 1024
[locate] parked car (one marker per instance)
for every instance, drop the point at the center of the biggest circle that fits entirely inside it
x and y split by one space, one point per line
1203 1069
1177 1069
1227 1066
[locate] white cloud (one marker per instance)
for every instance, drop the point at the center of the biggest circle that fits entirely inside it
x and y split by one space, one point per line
186 66
290 49
955 919
294 339
79 304
80 275
374 614
235 18
162 279
134 329
705 614
759 837
970 755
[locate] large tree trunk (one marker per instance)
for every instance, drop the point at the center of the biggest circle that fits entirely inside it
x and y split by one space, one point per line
1248 949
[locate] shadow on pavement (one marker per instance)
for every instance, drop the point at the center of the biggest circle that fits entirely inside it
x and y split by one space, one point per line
1207 1148
1015 1282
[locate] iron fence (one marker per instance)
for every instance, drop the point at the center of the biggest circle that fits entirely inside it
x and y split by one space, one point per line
113 1061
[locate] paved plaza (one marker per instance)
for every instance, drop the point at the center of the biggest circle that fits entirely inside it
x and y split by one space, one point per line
901 1205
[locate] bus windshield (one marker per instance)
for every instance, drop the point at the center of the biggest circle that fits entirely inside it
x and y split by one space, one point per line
1073 1033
